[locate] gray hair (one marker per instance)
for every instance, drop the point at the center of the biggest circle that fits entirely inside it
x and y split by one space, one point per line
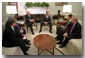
10 21
75 18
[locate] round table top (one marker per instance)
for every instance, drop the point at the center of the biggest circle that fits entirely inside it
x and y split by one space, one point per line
44 42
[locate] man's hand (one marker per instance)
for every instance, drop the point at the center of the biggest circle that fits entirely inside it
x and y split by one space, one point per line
45 22
21 31
24 37
63 27
65 34
31 20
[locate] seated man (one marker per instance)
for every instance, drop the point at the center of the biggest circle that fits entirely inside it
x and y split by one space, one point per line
46 21
21 32
74 32
64 28
10 39
29 21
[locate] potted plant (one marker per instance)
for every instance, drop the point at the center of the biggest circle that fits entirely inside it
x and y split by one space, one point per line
36 4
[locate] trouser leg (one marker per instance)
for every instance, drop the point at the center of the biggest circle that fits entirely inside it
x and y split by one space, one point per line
23 47
58 29
50 26
31 28
41 25
24 31
66 41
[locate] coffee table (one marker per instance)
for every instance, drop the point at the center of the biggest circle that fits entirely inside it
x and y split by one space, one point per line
44 42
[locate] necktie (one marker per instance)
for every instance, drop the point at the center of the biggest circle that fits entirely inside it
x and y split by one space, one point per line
71 29
67 23
29 17
14 30
18 27
46 17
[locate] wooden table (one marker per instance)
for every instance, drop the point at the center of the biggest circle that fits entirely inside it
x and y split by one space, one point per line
61 23
56 17
44 42
21 24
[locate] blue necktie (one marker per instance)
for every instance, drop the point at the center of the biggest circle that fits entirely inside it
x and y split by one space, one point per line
18 27
14 30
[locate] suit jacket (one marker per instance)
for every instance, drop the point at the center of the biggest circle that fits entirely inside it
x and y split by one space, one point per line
67 23
76 32
69 27
27 18
9 38
46 19
17 32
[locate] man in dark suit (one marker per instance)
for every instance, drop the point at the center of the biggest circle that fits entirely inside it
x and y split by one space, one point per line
74 32
10 38
62 29
46 21
29 21
20 32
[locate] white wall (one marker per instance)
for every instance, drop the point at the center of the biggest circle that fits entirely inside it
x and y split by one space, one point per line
76 9
4 15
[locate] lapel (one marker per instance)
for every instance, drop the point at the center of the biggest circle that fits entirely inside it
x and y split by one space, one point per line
11 30
75 26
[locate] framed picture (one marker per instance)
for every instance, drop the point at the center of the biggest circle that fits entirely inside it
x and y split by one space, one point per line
61 3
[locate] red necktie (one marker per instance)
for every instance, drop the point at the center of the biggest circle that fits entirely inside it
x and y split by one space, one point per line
71 29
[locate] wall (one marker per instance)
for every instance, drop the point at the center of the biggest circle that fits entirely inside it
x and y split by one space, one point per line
76 9
4 15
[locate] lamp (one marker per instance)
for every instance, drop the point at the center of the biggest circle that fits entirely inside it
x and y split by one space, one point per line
11 10
67 9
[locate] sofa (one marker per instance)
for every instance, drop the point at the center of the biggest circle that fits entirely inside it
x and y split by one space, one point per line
74 46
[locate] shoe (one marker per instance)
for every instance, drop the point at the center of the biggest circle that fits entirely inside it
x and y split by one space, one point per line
56 32
32 33
28 43
50 31
56 39
28 47
26 54
39 31
61 46
28 40
59 43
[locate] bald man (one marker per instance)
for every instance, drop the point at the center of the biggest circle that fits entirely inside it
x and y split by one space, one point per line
73 33
29 21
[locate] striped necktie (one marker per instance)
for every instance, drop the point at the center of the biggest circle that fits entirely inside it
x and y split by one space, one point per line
67 23
71 29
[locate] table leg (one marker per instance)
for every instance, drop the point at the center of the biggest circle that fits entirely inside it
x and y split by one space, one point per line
53 51
38 52
53 21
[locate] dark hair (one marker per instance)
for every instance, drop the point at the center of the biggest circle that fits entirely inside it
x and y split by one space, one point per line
70 15
47 12
10 21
